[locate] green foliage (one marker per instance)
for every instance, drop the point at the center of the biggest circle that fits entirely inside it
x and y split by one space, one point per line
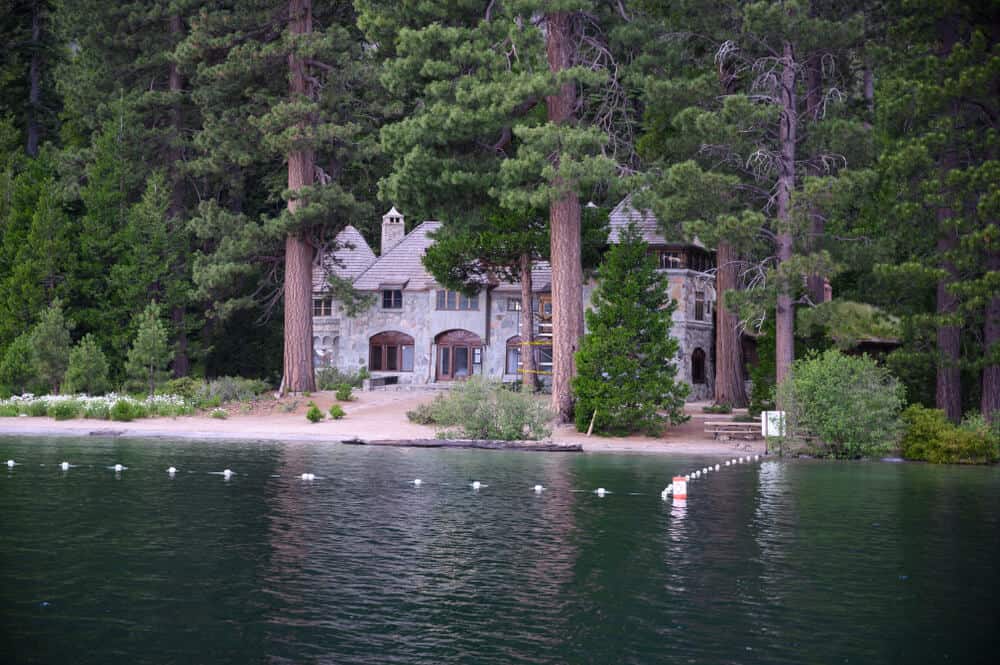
848 404
929 436
626 369
762 375
344 393
88 368
126 410
483 409
50 342
17 369
147 359
717 408
38 408
65 409
314 415
331 378
9 411
97 411
185 386
337 412
842 323
219 414
231 389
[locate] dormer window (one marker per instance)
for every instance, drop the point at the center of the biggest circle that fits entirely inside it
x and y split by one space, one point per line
322 307
392 299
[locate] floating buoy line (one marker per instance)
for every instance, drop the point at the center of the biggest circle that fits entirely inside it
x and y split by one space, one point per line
678 488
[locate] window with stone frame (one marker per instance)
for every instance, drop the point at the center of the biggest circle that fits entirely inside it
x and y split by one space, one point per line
699 305
453 300
392 299
390 352
322 306
513 363
513 304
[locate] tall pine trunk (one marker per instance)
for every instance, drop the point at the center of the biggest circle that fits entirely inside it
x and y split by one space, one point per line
729 386
564 221
298 360
181 364
785 315
948 388
991 339
35 81
529 375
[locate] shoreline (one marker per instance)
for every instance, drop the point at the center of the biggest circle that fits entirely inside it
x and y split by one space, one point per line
377 418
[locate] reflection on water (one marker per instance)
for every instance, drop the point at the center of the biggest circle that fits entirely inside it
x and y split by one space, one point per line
778 562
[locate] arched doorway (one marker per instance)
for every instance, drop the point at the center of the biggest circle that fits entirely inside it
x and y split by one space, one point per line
390 351
459 355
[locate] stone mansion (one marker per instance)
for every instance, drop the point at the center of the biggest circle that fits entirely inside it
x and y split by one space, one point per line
417 332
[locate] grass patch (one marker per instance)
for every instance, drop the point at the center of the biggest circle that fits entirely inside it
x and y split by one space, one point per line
483 409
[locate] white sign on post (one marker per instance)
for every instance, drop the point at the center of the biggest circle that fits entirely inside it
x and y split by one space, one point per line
772 423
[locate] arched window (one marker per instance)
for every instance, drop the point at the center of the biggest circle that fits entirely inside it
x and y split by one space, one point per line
698 366
459 352
390 352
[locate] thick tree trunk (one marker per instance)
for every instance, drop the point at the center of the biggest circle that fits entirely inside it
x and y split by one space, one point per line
564 221
35 82
298 372
948 396
729 386
529 373
181 363
991 339
785 315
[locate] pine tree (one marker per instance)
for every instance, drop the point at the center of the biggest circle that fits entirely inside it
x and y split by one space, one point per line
150 352
88 368
50 342
627 360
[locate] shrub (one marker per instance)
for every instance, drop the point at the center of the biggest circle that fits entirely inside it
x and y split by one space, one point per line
314 415
337 412
17 369
38 408
97 410
331 378
930 437
229 389
50 342
848 404
482 409
150 352
9 411
125 410
88 368
344 393
185 386
423 414
717 408
219 414
289 407
64 409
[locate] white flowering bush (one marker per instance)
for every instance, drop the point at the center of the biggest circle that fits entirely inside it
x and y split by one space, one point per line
99 407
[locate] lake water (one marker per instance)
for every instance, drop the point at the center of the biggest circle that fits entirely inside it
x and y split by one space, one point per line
773 562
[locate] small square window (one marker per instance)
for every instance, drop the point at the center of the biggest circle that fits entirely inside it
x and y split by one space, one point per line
392 299
322 306
513 304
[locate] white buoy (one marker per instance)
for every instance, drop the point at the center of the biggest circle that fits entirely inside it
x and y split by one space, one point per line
687 478
171 471
716 467
308 476
11 463
756 457
64 466
417 482
538 489
705 470
600 491
727 462
119 467
476 485
226 473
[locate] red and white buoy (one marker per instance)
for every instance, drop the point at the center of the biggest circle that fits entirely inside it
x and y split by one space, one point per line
680 488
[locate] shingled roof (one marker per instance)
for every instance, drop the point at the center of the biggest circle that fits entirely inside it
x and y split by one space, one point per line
401 266
645 222
353 257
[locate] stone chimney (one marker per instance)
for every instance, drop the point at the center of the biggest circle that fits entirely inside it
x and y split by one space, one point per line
393 230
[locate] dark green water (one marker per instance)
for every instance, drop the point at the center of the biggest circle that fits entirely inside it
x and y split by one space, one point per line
778 562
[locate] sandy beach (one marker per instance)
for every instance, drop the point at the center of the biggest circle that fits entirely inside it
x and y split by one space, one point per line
376 415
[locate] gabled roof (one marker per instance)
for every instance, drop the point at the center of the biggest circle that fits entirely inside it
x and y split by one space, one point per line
353 256
645 222
402 264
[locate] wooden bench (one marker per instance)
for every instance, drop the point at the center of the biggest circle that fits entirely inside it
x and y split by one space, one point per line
731 429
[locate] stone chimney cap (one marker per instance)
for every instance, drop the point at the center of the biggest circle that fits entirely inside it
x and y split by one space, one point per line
393 212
